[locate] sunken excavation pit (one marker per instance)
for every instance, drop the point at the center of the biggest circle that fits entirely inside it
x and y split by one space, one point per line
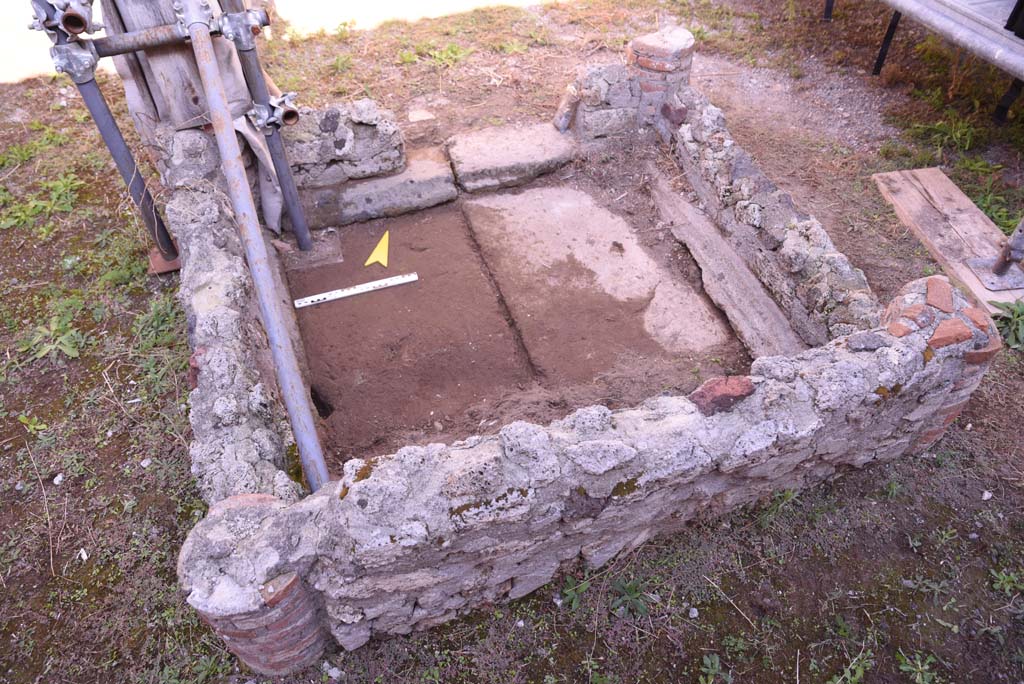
540 395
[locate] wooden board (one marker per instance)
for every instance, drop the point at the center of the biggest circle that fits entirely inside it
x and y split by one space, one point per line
753 314
171 74
949 225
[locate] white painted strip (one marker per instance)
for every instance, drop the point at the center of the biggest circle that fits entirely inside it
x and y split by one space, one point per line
363 288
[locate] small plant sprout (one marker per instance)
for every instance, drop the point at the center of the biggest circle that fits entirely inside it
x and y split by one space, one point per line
32 424
573 591
1007 582
631 600
919 668
448 56
711 670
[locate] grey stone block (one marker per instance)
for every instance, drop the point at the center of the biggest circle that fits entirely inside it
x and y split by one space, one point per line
505 156
426 182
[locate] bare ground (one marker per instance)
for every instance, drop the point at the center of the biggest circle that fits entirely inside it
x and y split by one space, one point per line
902 573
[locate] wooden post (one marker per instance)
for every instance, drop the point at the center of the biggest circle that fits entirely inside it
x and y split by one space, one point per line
163 84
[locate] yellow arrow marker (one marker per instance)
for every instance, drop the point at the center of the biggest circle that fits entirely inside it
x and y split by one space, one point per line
379 255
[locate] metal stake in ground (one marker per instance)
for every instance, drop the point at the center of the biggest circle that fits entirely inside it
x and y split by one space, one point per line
1000 274
197 17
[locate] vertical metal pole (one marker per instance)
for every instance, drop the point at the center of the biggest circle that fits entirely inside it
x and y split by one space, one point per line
261 96
293 390
828 9
886 42
1011 95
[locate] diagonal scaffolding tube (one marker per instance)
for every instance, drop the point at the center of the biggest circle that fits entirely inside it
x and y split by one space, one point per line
71 58
293 390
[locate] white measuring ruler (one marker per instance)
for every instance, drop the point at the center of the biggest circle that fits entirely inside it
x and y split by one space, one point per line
371 286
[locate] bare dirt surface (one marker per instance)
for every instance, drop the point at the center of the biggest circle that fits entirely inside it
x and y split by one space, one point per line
513 317
412 357
911 572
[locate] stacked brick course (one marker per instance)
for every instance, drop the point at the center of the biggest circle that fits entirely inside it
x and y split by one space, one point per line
284 631
661 63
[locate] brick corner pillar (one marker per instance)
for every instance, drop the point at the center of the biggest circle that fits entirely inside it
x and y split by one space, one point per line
281 637
272 622
661 62
953 326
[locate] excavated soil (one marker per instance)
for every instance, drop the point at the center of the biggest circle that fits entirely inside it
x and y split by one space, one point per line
519 313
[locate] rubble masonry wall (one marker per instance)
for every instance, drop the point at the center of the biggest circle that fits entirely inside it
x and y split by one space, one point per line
413 539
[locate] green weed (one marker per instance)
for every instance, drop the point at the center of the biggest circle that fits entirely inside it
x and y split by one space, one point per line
54 339
448 56
1007 582
855 671
631 599
1010 322
342 64
32 424
951 132
573 590
711 670
919 669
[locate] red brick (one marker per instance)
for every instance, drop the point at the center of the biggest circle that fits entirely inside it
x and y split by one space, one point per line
290 606
304 606
950 331
920 314
653 86
985 354
979 317
674 115
274 591
194 366
928 437
720 394
940 294
652 64
295 654
898 330
290 634
230 633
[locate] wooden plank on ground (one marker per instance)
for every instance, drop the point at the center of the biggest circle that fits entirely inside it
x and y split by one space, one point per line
754 315
949 225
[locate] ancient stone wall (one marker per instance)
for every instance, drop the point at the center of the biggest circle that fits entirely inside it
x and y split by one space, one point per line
822 294
817 287
412 539
239 431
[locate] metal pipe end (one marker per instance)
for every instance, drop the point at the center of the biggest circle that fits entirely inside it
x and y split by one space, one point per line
73 22
290 116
